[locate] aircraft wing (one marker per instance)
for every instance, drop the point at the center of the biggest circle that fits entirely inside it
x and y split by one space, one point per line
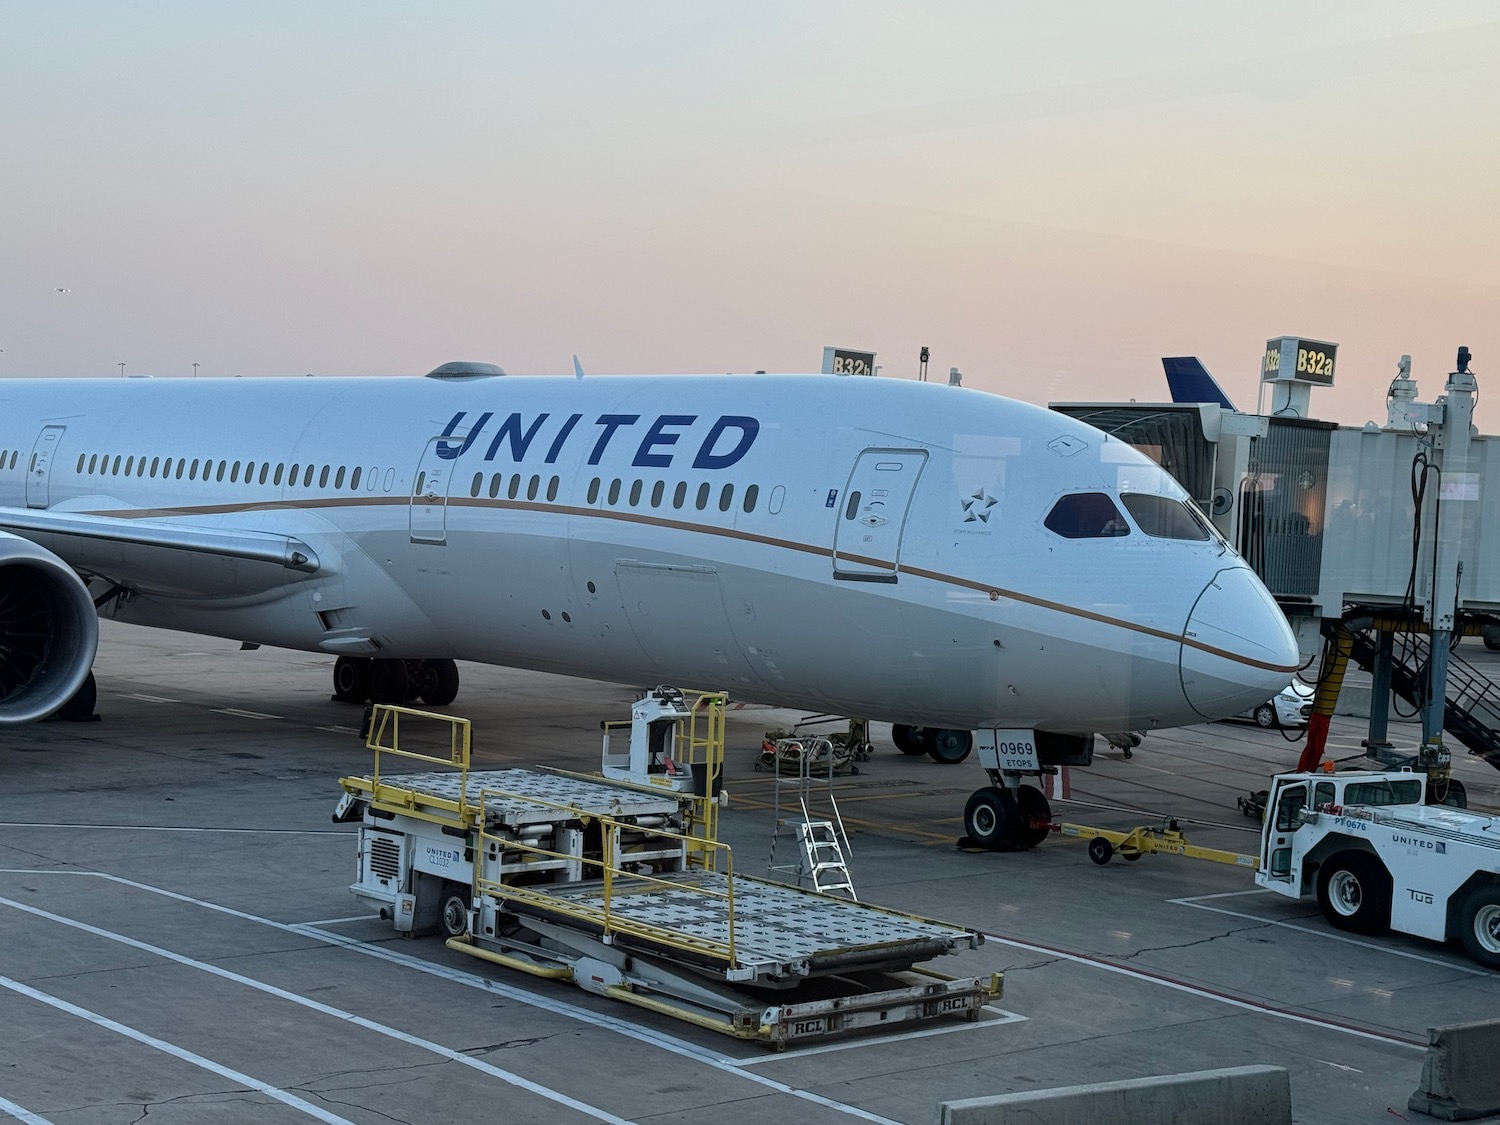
161 557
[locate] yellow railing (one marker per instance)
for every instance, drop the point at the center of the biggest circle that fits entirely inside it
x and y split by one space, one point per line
383 736
616 881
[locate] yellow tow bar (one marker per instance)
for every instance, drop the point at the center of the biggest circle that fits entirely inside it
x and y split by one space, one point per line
1167 838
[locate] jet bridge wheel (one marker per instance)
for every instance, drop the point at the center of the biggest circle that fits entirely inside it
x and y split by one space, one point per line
1354 892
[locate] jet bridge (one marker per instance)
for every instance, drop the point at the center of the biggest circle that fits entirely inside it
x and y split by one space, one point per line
1349 526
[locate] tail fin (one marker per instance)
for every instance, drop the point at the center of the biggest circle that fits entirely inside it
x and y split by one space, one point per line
1189 381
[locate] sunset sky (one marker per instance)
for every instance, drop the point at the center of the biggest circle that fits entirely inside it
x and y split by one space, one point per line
1050 196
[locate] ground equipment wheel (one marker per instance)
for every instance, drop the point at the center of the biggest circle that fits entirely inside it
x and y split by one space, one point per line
1035 816
991 819
1354 892
1479 925
455 911
351 679
949 746
389 681
1264 715
437 682
1101 850
909 739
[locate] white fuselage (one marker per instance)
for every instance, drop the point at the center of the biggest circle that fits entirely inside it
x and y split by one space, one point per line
861 546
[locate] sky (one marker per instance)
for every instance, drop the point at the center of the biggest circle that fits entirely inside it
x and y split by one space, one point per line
1049 196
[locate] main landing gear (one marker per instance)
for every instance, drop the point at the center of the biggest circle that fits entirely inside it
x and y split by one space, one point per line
359 679
941 744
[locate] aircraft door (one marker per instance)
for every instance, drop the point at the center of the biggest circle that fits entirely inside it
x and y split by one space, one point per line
429 495
39 470
872 516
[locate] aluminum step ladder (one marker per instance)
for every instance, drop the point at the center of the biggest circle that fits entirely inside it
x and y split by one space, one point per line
823 862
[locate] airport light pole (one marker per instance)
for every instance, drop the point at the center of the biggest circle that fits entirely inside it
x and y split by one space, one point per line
195 371
122 371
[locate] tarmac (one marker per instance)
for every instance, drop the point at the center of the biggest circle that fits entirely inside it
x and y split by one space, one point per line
178 942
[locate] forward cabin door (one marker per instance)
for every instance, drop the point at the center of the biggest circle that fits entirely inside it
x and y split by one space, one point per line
429 495
39 470
872 517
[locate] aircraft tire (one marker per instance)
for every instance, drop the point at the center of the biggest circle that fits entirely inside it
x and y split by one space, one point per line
1354 893
949 747
389 681
351 679
991 819
908 739
1035 816
437 682
80 708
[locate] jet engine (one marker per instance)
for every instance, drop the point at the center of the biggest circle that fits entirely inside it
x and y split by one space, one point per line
49 631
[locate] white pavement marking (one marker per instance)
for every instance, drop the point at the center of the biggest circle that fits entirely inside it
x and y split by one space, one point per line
595 1020
25 1116
1196 902
148 698
177 1052
313 1005
242 714
1264 1009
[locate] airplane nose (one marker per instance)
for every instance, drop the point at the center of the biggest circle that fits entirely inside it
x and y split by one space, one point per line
1237 649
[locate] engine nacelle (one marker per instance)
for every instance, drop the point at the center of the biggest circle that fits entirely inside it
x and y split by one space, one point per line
49 631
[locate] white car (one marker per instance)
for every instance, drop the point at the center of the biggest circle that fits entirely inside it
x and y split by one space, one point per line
1291 707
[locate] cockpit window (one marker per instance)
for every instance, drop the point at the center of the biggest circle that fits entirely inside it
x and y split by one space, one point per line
1086 515
1164 517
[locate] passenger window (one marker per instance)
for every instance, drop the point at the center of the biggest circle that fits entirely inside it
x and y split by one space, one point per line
307 475
280 472
234 473
726 498
93 462
495 485
417 489
1163 517
635 494
323 477
155 464
193 472
129 465
679 494
6 453
354 480
658 490
338 477
552 489
140 466
532 486
249 472
614 491
515 487
265 471
115 471
593 493
702 501
852 506
752 492
473 488
223 467
1086 515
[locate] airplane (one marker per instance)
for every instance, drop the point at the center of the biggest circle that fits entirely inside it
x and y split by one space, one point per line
938 557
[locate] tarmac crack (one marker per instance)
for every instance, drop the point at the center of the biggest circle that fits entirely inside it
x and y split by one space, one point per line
1125 957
